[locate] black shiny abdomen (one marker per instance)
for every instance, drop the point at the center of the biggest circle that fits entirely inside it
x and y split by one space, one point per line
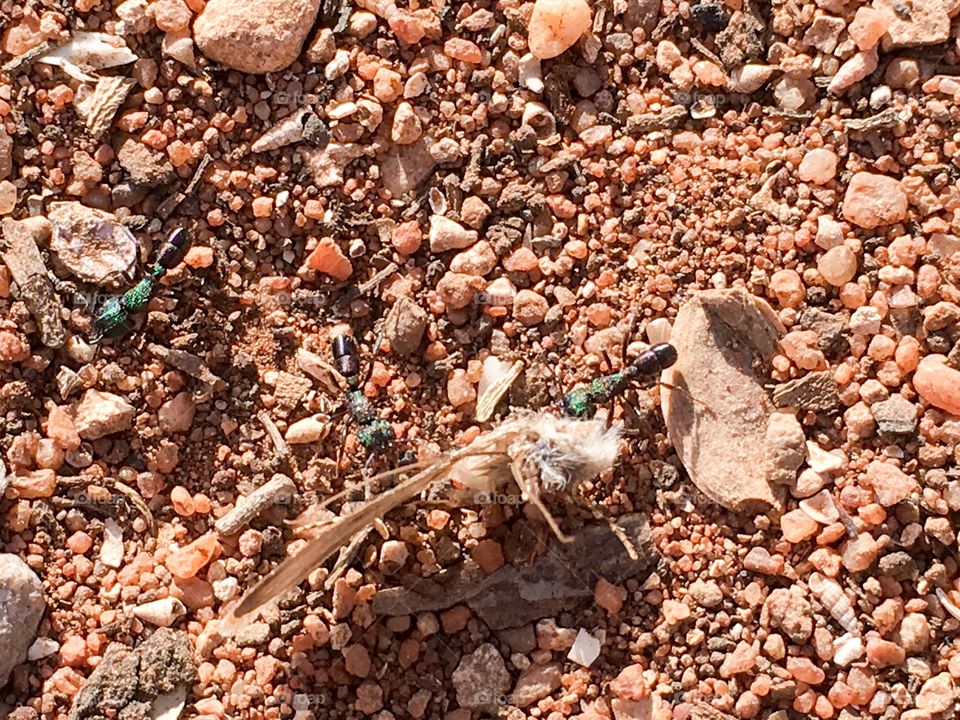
345 356
174 249
653 360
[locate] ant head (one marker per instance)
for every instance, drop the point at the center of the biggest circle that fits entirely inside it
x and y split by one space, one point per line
665 353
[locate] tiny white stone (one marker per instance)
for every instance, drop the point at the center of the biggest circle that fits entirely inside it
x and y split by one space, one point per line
111 550
342 110
42 647
820 460
308 430
880 96
658 331
821 508
846 649
530 73
225 589
338 66
865 320
586 649
162 613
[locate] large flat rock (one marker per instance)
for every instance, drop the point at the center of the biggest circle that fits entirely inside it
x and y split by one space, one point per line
738 448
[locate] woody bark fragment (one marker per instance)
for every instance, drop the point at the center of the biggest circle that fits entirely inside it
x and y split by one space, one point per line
18 248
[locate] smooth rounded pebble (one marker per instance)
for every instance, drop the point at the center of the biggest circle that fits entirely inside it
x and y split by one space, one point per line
838 265
938 384
556 25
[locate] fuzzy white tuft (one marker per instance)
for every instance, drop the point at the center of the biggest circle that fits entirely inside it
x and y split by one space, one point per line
572 451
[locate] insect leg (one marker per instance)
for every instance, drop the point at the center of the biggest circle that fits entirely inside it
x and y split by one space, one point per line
341 444
618 531
532 495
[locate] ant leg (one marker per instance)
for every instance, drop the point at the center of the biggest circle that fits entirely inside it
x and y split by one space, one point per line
612 370
341 445
534 497
631 328
618 531
687 395
373 352
608 360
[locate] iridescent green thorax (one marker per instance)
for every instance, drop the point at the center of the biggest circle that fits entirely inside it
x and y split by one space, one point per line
582 402
111 319
135 299
577 404
376 435
114 318
361 409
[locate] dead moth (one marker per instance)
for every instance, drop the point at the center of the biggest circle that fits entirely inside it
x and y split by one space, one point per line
539 451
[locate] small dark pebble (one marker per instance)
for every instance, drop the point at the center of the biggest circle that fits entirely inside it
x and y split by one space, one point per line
783 692
720 644
939 343
272 543
288 630
713 16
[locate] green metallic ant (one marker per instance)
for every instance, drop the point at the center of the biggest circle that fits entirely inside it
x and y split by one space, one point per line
582 402
374 433
115 318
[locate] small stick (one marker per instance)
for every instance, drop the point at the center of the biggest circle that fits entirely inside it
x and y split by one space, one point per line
277 490
346 556
171 203
23 62
348 553
705 51
189 363
846 520
138 502
378 278
274 432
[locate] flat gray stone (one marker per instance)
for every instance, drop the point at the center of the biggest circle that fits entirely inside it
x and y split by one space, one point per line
21 608
722 422
895 416
128 682
558 580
